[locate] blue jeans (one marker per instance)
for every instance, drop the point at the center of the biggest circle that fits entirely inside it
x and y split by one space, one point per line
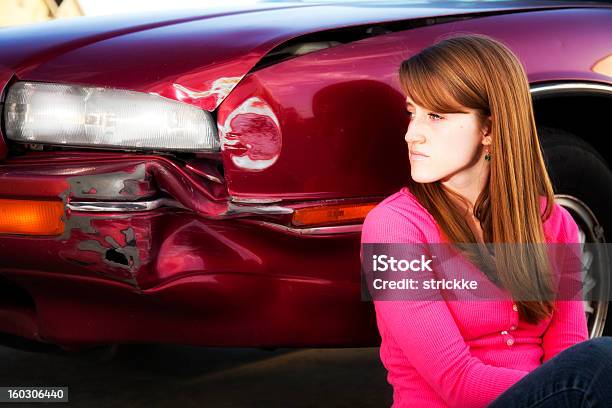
579 376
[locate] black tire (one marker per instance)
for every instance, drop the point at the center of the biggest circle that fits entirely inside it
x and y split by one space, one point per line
578 170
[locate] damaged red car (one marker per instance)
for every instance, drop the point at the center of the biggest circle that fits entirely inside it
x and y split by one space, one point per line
201 177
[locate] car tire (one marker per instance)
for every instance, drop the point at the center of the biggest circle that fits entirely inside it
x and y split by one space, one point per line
582 181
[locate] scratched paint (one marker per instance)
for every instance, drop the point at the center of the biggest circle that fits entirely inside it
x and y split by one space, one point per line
118 185
251 133
124 256
219 89
81 223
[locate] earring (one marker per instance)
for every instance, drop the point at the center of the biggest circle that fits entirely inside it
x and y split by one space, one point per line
488 155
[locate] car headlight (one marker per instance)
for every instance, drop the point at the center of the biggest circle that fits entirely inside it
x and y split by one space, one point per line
100 117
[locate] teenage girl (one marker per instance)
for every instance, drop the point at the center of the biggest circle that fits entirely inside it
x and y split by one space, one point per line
478 176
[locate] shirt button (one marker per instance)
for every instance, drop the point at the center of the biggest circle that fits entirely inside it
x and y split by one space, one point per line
515 307
504 332
509 342
512 327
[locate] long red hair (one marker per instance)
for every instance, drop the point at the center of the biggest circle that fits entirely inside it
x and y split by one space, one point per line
478 72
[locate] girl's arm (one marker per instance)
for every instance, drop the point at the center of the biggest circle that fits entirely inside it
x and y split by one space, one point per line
426 333
568 325
430 341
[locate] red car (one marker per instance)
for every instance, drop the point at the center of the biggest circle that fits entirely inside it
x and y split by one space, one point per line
202 177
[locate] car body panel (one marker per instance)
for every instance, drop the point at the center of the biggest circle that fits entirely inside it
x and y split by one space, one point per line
324 127
343 109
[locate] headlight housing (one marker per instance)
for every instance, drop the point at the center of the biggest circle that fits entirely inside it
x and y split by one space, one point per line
74 115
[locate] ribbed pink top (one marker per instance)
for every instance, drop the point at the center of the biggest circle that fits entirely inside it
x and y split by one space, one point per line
454 353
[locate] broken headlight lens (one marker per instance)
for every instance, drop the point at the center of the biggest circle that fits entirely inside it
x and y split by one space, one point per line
100 117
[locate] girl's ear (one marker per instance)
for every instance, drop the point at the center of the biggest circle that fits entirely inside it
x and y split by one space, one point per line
486 130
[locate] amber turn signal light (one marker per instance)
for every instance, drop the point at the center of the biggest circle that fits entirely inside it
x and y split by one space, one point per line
332 214
31 217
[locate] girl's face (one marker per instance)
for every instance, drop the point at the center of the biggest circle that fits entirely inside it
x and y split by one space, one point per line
453 145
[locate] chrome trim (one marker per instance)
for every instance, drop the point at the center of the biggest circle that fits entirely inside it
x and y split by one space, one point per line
132 206
212 178
544 89
234 209
121 206
254 200
336 229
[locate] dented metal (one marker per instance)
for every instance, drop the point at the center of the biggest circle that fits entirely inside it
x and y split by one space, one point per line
111 186
128 252
219 89
120 206
232 211
251 133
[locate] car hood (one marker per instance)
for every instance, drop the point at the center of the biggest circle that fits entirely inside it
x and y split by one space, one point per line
193 56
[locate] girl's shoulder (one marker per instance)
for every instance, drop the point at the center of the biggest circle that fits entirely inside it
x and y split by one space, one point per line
404 203
399 218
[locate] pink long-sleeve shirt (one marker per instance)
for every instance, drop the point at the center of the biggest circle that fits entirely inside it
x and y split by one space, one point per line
462 354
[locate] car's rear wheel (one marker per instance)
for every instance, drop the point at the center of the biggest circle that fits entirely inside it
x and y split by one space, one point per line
582 182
